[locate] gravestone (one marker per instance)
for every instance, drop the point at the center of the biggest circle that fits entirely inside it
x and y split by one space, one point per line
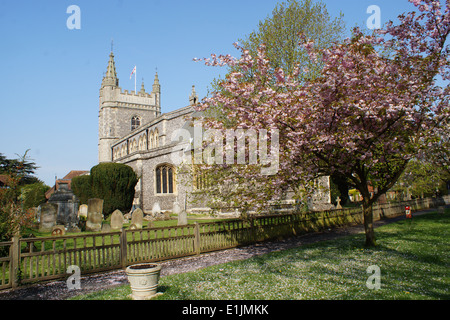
133 227
156 210
58 230
47 217
127 216
176 209
149 217
338 205
117 220
182 215
67 202
95 215
137 218
83 210
106 227
165 216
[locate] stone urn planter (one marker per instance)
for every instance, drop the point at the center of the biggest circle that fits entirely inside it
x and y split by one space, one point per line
143 278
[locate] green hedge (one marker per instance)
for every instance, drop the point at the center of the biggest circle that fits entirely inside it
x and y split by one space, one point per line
112 182
81 186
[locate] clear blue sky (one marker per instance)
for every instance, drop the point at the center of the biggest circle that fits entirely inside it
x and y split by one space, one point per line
51 75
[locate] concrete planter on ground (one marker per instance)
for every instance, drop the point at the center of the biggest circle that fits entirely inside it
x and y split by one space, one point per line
143 278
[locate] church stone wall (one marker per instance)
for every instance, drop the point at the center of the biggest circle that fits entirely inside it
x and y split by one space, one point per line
145 162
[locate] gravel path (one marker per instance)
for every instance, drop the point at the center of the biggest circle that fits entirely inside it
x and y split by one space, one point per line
57 290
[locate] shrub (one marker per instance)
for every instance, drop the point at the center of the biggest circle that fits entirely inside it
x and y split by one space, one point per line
34 194
112 182
81 187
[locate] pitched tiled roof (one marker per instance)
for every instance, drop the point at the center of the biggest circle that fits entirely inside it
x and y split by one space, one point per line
74 173
67 179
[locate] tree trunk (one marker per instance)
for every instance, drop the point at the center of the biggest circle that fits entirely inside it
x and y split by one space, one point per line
368 224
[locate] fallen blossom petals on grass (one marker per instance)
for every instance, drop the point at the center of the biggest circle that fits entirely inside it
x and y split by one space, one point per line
413 261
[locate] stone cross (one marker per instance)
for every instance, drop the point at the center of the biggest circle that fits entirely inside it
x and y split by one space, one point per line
338 205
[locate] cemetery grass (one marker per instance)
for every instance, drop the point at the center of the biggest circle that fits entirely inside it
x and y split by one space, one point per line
413 261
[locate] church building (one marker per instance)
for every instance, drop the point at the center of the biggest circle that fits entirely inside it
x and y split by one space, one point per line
134 131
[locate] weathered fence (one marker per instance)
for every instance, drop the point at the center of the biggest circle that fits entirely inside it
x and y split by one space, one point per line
27 260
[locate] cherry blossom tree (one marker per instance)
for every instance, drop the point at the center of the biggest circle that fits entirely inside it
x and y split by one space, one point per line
366 115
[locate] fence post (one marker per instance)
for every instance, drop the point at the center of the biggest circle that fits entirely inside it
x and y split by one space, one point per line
253 235
292 224
197 238
15 262
123 249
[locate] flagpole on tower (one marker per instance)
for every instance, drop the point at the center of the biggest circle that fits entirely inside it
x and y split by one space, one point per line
134 71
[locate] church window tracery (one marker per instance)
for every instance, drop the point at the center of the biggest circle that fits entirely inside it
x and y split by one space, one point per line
165 179
135 122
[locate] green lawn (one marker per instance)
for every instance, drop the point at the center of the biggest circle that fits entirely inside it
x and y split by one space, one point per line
414 261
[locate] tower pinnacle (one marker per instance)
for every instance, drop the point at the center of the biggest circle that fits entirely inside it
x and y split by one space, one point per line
193 98
142 86
156 91
110 78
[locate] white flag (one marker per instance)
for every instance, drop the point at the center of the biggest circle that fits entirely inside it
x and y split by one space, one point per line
134 71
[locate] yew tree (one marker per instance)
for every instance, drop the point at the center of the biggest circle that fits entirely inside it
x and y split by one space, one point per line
363 118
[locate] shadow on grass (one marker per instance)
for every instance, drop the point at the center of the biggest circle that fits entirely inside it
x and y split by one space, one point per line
413 263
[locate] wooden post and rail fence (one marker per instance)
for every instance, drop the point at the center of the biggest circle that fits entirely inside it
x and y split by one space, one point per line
31 260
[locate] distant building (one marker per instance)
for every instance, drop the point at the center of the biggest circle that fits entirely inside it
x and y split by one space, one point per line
66 180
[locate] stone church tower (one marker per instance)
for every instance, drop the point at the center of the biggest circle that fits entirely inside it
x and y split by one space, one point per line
122 112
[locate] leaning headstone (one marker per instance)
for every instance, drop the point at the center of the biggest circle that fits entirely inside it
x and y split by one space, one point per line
95 215
47 218
137 218
83 210
106 227
117 220
156 210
